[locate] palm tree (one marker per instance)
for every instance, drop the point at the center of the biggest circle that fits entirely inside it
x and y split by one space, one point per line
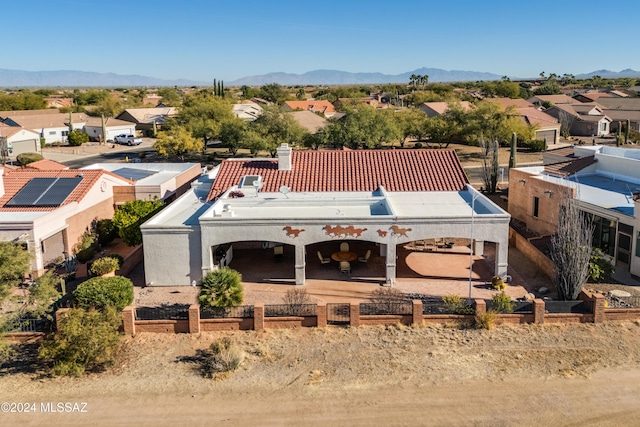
221 288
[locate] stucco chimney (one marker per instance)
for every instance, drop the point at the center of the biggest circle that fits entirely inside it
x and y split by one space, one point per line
1 182
284 157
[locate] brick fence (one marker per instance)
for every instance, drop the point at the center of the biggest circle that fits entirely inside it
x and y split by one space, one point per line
538 315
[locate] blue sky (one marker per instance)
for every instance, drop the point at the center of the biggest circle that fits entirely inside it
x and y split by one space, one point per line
206 39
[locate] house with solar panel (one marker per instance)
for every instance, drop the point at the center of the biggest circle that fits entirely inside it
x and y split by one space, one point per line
299 208
48 210
47 207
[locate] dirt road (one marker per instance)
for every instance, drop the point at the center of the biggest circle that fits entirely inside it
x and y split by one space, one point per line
526 375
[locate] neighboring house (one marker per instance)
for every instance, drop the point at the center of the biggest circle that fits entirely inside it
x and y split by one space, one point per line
584 119
552 99
144 118
509 102
247 110
312 122
152 100
54 102
547 127
302 199
322 107
113 127
166 181
433 109
49 210
16 140
621 110
53 127
591 96
605 182
619 94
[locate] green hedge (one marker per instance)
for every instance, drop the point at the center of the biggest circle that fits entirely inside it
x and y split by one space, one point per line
103 292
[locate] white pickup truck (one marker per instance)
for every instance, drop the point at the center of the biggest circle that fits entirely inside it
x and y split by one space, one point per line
127 139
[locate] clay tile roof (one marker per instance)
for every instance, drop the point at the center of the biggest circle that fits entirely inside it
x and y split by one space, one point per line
358 170
321 105
16 179
569 167
47 165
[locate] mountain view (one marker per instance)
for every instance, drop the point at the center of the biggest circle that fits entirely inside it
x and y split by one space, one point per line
73 78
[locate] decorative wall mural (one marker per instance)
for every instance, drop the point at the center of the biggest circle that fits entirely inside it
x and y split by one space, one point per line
398 231
293 232
342 232
382 233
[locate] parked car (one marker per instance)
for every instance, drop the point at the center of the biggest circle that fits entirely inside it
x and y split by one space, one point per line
127 139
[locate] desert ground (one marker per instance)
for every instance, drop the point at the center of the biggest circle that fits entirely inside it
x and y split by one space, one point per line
426 375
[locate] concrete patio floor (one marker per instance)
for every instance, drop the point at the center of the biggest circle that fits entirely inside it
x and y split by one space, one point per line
432 273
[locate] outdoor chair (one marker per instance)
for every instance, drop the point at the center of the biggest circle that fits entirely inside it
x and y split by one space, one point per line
345 267
365 259
344 247
278 253
323 260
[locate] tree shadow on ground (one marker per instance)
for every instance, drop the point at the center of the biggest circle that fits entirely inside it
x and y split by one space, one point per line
24 360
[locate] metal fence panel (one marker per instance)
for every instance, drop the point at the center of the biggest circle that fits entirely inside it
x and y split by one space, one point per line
284 310
163 312
242 311
438 306
516 306
28 325
338 314
390 307
567 307
625 302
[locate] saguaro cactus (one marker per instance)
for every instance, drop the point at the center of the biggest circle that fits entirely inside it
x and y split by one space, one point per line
514 147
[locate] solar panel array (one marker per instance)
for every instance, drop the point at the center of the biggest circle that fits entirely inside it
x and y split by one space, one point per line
44 192
134 174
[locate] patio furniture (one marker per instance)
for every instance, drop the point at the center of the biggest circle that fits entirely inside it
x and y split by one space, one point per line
278 253
344 247
322 259
344 256
345 267
365 259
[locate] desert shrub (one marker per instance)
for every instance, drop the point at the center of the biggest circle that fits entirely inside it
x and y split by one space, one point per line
537 145
43 142
106 231
223 357
417 145
296 296
497 283
77 137
86 340
457 305
104 292
221 288
41 295
600 266
104 265
501 303
85 255
85 249
26 158
486 320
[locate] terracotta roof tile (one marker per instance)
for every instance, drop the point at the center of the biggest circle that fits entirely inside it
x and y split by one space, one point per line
329 171
570 167
46 165
16 179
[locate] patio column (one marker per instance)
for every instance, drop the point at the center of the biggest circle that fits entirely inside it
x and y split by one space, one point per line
502 256
390 259
478 247
300 264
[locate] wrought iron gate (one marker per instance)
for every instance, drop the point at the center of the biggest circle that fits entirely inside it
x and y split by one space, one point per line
338 314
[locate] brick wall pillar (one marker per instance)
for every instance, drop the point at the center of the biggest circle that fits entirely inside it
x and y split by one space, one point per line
598 308
354 314
538 310
321 311
129 319
258 317
61 313
481 307
416 318
194 319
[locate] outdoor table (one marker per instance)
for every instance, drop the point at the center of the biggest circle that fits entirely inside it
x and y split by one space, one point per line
344 256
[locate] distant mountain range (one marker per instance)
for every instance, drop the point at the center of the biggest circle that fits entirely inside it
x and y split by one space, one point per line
335 77
69 78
